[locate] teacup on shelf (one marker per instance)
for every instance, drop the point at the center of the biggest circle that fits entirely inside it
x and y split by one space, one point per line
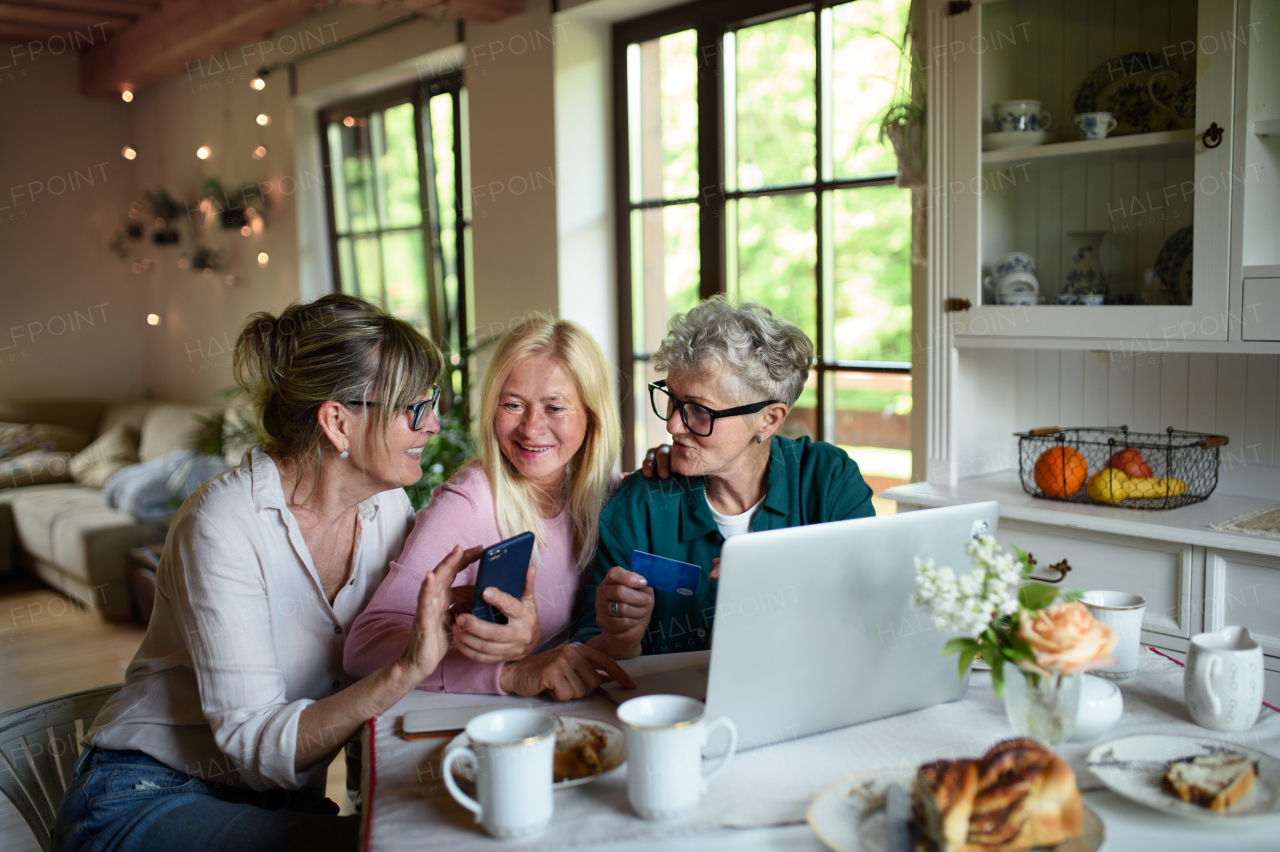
1022 115
1014 261
1095 125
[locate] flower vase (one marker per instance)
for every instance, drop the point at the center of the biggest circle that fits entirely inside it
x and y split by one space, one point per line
1085 277
1042 707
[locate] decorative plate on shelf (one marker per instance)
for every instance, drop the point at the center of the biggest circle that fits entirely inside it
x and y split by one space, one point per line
1133 767
1144 92
1173 265
848 816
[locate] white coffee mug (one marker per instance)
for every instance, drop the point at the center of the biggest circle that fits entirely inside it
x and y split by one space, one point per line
1224 679
665 737
1122 612
511 754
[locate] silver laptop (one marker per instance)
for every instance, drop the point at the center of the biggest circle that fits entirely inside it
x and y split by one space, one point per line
814 628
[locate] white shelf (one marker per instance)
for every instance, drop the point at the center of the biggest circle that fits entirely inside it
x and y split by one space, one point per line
1188 525
1096 150
1271 271
1270 127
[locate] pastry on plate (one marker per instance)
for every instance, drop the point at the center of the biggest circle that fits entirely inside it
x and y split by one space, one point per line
1214 781
1017 796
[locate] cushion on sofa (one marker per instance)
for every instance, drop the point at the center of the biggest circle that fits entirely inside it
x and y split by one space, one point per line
19 438
170 426
132 413
69 527
38 468
114 449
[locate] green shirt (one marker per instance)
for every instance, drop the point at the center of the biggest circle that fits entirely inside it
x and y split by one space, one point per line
809 483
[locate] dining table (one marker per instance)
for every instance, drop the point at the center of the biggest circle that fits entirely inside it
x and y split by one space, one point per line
761 801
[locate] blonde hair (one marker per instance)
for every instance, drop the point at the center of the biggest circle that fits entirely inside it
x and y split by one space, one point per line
590 470
340 348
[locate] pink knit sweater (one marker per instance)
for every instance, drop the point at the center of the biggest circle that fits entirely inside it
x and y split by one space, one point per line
461 512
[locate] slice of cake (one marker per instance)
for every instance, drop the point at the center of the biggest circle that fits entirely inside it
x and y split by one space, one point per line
1214 781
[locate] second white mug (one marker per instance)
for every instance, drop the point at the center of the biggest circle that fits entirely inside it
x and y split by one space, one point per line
1122 612
511 752
665 737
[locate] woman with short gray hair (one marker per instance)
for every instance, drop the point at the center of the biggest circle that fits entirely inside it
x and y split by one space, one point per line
734 370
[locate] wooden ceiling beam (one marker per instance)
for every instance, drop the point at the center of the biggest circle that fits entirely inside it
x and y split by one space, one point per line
179 35
24 33
124 8
12 13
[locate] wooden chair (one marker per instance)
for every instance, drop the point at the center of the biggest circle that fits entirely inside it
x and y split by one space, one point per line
39 747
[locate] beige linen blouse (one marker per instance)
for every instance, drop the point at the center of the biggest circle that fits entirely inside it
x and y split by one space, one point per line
242 637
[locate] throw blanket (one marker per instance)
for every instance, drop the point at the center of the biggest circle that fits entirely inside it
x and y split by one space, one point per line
153 491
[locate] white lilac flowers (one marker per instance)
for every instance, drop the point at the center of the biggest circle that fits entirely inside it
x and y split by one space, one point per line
969 604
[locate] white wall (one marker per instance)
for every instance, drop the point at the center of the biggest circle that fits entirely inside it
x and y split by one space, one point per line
71 315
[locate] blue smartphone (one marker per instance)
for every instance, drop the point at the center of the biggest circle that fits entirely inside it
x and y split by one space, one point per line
504 566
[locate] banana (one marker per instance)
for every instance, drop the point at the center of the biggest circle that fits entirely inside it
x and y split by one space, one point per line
1109 486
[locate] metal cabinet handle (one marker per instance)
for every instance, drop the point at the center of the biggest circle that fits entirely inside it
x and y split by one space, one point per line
1212 137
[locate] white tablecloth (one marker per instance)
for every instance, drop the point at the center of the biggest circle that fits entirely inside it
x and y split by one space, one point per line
407 806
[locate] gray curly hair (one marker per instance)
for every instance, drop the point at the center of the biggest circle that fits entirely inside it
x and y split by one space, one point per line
762 355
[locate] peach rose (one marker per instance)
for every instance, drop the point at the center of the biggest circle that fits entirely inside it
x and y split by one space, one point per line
1066 639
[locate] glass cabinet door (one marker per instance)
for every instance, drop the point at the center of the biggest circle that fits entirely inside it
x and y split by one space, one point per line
1088 196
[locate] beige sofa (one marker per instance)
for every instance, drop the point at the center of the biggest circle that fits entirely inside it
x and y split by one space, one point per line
62 532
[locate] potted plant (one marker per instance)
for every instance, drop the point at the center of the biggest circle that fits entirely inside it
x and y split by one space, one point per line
164 210
904 120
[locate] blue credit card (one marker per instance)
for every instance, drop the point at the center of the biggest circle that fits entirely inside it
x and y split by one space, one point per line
668 575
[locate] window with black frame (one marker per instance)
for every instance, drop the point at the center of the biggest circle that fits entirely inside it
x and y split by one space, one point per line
398 222
750 162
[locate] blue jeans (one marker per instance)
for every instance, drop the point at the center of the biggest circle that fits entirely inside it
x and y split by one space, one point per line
124 801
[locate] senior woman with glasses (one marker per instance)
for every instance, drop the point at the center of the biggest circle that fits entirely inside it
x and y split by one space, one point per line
236 701
733 373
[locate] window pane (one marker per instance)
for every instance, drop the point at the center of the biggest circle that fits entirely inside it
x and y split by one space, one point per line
775 136
398 163
649 430
872 275
873 425
666 277
663 88
441 113
357 176
341 218
776 245
406 278
347 279
864 62
366 277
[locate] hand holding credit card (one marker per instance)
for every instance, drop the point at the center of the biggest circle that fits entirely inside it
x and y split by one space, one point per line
668 575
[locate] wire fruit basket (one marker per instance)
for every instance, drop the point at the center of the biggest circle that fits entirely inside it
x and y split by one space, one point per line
1115 467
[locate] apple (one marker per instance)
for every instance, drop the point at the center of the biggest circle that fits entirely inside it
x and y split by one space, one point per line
1130 461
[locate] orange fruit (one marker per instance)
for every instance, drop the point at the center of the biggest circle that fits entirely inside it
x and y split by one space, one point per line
1060 471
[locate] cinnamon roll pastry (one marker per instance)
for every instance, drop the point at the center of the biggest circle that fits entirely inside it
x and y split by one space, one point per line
943 800
1027 797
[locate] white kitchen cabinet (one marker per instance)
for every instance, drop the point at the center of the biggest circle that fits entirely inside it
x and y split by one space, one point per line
1141 188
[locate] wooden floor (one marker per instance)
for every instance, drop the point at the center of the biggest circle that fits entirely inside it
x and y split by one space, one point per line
50 646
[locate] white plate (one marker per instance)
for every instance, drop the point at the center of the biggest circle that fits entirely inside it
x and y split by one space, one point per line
848 816
614 755
1013 139
1133 766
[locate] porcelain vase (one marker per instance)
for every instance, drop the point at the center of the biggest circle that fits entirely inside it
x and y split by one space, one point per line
1085 277
1042 707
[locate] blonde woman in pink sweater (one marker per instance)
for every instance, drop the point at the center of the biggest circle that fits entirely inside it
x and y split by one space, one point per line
548 438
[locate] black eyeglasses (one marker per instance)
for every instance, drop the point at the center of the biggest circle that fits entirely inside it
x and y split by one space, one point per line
696 418
419 409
